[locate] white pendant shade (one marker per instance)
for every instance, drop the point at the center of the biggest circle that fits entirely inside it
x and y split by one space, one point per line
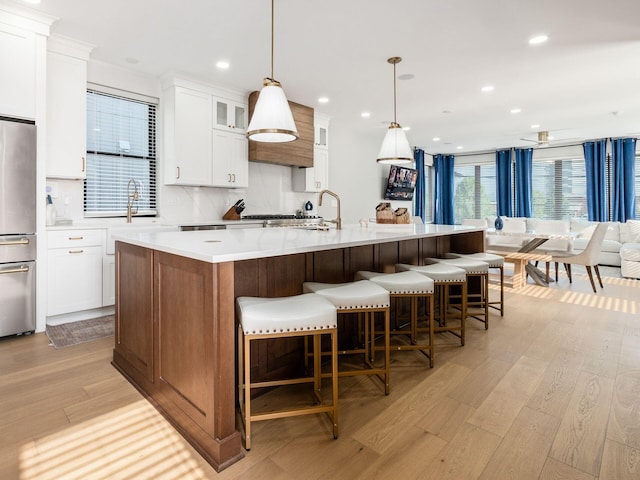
395 147
272 120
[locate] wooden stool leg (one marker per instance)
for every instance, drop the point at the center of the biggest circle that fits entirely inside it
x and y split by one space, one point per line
485 296
430 301
334 378
317 373
247 392
463 319
502 291
386 350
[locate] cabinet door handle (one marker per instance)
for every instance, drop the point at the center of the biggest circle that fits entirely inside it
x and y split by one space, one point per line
84 165
76 238
177 173
76 251
234 177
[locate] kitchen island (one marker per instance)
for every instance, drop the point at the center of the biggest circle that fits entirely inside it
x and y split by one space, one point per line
175 301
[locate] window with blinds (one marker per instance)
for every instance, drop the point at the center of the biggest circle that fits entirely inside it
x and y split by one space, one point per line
474 191
121 155
559 189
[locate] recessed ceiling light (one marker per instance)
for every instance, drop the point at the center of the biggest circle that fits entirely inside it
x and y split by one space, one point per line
323 100
406 76
436 139
535 125
131 60
365 114
222 65
538 39
488 88
459 147
515 110
446 112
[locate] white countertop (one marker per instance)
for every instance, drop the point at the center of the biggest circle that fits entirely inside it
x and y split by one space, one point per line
217 246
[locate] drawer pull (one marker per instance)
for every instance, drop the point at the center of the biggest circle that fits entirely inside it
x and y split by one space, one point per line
76 238
22 241
76 251
15 270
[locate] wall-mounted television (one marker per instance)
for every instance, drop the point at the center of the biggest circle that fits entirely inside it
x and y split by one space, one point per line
401 183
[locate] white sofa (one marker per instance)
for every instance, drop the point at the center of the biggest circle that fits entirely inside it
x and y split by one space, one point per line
621 246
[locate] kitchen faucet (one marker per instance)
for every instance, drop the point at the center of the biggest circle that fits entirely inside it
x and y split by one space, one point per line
337 220
132 198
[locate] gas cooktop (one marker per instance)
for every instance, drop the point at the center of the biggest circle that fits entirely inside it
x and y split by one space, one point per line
278 216
286 220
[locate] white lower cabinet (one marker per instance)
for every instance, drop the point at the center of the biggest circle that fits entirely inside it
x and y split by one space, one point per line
74 270
108 280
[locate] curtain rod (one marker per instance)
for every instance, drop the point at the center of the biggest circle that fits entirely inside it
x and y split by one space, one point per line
485 152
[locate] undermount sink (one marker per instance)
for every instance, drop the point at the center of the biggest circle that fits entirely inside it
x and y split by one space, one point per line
110 248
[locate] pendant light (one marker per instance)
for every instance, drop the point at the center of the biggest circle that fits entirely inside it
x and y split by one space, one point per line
395 146
272 120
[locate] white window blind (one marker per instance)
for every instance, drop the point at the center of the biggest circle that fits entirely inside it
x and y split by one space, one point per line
559 189
474 189
121 146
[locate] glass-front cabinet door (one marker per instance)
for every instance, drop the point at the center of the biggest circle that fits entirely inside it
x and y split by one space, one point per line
230 115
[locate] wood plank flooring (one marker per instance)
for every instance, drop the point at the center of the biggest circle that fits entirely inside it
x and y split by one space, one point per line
550 391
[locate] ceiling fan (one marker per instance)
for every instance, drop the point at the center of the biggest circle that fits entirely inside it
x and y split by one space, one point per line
542 141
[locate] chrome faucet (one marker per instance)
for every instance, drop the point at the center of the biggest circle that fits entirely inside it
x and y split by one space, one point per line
337 220
132 198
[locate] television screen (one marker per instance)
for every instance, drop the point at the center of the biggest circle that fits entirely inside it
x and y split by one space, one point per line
401 183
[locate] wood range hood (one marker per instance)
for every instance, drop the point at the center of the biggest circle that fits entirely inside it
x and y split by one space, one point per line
298 153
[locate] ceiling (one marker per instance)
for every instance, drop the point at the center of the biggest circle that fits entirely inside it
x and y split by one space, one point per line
582 83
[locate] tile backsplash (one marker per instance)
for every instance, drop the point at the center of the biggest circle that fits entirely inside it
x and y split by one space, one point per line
270 191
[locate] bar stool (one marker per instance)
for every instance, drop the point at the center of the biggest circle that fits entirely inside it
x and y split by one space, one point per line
494 262
367 298
473 269
414 286
301 315
444 277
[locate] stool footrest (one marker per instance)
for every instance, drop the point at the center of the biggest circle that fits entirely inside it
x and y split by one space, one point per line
255 417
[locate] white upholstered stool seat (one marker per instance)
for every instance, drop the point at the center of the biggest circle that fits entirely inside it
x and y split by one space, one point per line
414 286
444 277
495 262
362 297
477 298
301 315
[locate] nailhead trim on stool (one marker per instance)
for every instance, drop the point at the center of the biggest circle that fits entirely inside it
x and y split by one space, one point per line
411 285
302 315
473 268
360 297
494 261
444 276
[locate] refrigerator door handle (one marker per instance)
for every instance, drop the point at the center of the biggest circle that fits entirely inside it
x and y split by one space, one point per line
22 269
22 241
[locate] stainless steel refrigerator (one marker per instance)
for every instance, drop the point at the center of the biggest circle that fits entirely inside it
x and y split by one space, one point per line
17 226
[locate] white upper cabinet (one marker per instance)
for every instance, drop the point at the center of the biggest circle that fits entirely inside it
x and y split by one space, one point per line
316 178
230 160
321 132
23 43
66 108
205 141
188 133
230 115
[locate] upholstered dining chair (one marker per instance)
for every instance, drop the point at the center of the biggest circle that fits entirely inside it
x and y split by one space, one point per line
587 258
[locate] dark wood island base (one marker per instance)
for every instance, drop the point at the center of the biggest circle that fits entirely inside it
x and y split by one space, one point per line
175 324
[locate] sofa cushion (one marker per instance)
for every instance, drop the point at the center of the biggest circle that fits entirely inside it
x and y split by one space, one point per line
607 245
630 252
558 227
586 229
633 231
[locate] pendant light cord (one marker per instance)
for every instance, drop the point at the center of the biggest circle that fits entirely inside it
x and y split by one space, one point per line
394 93
272 35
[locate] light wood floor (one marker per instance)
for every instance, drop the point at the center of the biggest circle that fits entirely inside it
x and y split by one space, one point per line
550 391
